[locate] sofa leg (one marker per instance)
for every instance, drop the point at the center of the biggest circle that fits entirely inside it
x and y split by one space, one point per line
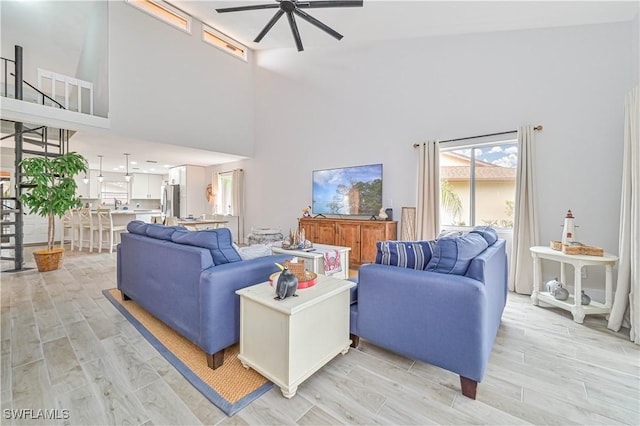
125 297
355 340
468 387
215 360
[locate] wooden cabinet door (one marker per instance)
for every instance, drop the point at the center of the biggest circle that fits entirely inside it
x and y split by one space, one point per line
371 234
326 233
310 230
349 236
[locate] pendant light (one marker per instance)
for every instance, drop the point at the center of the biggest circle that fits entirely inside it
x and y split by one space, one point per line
100 177
127 177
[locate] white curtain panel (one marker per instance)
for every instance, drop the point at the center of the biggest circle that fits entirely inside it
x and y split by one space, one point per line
428 209
237 200
525 224
626 303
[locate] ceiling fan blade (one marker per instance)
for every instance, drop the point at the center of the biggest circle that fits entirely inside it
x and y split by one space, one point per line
310 19
270 24
337 3
243 8
294 30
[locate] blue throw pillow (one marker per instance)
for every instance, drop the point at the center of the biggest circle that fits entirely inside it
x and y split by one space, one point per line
137 227
487 232
161 232
218 241
452 255
406 254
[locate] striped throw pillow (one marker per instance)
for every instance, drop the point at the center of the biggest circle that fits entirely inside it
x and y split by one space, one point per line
405 254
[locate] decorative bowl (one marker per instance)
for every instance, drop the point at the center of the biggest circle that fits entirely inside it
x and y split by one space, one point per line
310 280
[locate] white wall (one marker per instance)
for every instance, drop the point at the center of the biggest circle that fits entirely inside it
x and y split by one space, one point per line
369 104
67 37
169 86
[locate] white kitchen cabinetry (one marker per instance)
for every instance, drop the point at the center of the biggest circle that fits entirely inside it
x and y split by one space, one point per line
193 185
146 186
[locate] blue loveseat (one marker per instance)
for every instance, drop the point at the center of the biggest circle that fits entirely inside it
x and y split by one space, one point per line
439 302
188 281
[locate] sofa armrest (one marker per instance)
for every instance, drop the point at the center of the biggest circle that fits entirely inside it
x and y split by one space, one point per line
440 319
220 306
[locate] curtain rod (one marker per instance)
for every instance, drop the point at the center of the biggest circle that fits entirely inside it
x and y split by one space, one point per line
229 171
538 127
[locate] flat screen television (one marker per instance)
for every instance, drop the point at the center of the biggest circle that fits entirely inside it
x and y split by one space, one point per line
348 190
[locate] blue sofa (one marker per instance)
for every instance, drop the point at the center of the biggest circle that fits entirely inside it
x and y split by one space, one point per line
442 305
188 281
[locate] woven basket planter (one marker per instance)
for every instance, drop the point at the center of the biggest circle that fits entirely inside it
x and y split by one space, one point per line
49 260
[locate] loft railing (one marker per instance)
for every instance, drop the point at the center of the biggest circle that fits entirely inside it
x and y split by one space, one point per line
70 84
5 85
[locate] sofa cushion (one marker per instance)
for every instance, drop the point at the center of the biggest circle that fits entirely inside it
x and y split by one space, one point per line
406 254
161 232
137 227
452 255
218 241
488 233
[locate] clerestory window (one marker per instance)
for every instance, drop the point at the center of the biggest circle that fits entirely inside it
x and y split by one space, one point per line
165 12
221 41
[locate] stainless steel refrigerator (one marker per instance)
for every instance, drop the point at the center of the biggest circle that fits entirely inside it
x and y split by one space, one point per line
171 200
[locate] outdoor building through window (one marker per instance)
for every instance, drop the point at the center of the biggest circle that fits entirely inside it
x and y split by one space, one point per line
478 184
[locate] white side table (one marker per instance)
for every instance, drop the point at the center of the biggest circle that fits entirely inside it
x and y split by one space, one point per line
573 303
314 258
289 340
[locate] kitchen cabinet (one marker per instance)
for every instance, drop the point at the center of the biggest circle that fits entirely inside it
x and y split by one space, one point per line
360 235
146 186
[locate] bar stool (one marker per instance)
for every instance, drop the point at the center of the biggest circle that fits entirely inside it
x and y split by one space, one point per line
105 224
86 224
68 225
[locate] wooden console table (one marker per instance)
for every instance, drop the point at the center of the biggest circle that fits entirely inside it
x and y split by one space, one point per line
359 235
578 261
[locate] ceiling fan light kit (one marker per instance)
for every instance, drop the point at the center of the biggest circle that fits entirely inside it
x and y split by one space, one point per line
292 8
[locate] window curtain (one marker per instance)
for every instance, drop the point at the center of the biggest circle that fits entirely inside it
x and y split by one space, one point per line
428 209
237 200
525 224
626 303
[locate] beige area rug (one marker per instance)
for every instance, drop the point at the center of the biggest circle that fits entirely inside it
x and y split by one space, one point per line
230 387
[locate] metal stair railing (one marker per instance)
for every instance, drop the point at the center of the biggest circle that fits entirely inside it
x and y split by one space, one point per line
11 211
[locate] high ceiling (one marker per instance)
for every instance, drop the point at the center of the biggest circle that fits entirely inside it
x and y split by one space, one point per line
377 20
391 20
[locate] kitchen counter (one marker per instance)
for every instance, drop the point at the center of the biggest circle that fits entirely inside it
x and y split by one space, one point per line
123 217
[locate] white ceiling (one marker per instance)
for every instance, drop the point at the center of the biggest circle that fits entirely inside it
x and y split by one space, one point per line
388 20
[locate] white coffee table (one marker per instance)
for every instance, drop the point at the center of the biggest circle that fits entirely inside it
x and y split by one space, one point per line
314 258
289 340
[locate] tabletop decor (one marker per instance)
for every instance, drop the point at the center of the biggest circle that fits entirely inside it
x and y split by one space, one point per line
287 283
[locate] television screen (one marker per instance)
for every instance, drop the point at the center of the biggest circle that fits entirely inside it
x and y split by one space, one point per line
348 190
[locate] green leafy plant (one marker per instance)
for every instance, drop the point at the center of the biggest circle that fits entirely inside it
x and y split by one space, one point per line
51 187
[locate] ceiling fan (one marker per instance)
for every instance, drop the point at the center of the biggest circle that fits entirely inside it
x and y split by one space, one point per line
294 7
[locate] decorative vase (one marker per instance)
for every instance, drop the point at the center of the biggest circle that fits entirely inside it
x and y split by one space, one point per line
561 293
287 284
585 299
48 260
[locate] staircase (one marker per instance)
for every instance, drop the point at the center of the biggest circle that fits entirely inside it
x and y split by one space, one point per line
29 139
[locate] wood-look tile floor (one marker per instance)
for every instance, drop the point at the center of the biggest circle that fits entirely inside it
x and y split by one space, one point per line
65 347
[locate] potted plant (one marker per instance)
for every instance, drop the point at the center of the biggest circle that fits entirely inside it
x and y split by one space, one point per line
51 192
